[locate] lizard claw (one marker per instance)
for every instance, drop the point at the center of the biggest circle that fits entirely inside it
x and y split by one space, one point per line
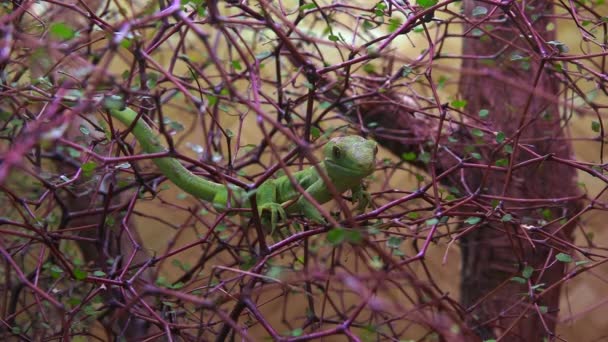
362 197
276 212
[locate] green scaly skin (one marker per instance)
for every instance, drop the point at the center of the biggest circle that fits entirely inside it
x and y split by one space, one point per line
347 161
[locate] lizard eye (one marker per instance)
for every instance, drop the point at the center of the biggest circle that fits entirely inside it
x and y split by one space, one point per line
337 152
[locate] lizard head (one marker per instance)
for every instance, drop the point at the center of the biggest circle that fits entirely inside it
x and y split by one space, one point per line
350 157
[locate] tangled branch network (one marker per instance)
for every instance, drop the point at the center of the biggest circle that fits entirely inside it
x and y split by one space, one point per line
302 170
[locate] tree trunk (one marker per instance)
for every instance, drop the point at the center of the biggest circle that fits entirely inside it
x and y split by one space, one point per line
493 254
520 91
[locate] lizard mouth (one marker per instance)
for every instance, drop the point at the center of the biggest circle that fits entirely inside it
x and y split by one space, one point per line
358 171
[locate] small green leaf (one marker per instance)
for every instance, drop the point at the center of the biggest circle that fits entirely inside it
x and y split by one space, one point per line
477 132
503 162
559 45
409 156
476 155
336 236
74 301
263 55
297 332
479 11
394 242
324 105
595 126
558 67
74 153
547 214
80 274
177 285
315 132
413 215
62 31
353 236
373 230
275 272
563 257
174 125
527 272
517 57
431 222
162 281
424 157
376 262
472 220
519 280
458 104
418 29
247 262
500 137
393 24
88 168
307 7
427 3
380 7
126 43
537 287
249 147
236 64
476 32
507 218
543 309
441 82
84 130
109 221
333 38
483 113
369 68
152 79
99 273
56 271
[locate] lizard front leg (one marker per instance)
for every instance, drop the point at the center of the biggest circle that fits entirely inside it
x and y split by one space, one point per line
317 190
361 197
267 206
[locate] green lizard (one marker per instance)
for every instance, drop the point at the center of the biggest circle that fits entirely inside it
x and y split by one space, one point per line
347 160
